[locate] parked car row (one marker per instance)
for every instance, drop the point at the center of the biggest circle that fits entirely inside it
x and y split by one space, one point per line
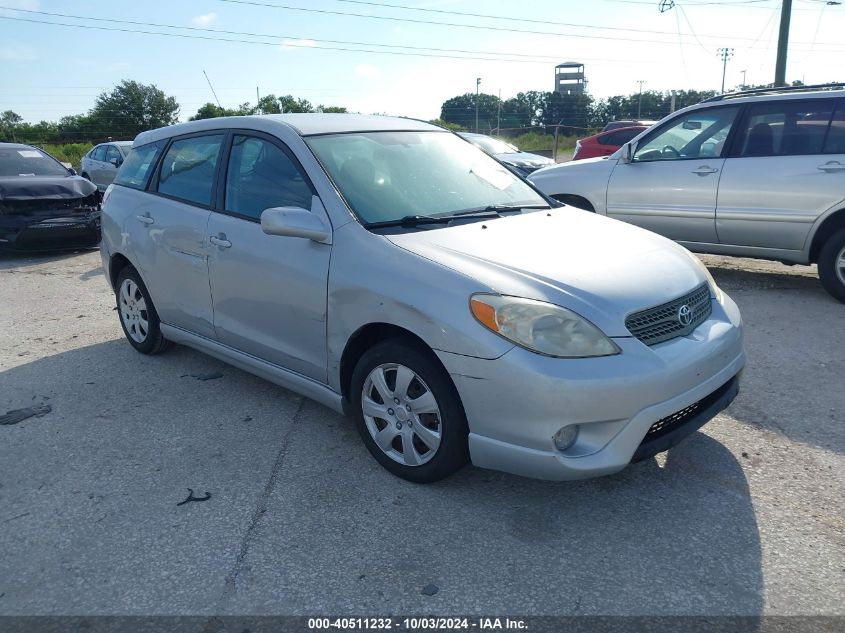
455 309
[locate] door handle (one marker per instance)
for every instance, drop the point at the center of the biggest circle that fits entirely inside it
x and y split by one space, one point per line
704 170
221 241
145 219
832 166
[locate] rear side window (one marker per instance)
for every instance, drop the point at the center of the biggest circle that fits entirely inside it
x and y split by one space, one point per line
835 143
187 169
99 153
261 176
136 168
112 153
786 128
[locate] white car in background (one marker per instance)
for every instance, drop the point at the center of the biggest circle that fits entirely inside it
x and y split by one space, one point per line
100 165
753 174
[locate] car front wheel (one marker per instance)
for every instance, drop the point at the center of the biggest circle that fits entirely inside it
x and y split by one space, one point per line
408 412
832 265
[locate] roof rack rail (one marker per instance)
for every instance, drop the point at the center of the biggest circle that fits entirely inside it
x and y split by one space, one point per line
781 89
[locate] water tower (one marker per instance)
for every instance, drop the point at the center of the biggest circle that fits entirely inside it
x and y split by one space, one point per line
569 78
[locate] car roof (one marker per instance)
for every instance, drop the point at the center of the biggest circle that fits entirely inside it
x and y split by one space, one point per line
17 146
304 124
729 99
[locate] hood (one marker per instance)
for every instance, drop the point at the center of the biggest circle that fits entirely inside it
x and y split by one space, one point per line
602 269
45 187
524 159
592 170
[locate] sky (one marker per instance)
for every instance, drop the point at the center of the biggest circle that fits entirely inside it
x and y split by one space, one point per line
394 60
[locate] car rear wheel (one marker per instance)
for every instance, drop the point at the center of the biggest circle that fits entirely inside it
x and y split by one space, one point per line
138 316
408 412
832 265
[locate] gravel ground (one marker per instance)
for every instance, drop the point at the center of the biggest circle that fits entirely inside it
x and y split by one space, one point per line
743 518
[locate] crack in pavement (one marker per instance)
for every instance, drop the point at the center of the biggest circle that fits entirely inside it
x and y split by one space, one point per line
260 509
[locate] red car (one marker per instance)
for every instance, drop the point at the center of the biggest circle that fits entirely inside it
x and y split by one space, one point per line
605 143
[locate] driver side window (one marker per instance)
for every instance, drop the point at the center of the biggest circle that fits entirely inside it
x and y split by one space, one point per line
700 134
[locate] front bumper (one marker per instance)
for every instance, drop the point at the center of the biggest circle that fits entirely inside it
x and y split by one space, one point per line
516 403
77 230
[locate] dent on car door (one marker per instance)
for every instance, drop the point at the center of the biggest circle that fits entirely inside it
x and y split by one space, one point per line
786 168
169 232
269 291
670 185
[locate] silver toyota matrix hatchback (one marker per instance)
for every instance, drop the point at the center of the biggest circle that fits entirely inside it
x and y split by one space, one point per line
391 270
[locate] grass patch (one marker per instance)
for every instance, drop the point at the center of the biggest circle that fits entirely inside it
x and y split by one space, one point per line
535 141
68 153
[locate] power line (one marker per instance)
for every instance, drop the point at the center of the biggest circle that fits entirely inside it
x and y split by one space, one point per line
286 7
264 43
283 37
505 56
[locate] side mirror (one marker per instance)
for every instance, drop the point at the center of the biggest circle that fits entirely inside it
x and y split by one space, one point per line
116 162
295 222
628 150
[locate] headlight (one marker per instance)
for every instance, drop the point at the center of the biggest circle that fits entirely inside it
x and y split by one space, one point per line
541 327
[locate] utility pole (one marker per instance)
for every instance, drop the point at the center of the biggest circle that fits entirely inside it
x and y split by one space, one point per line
783 42
744 85
726 54
257 100
477 85
499 115
640 101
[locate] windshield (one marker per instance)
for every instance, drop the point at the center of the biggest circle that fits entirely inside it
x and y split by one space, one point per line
28 161
491 145
386 176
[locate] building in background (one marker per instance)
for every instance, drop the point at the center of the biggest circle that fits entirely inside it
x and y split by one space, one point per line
569 78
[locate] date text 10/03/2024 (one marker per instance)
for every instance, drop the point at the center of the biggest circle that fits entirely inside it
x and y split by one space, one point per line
417 624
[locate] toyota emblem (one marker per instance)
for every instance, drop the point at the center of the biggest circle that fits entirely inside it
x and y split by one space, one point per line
684 315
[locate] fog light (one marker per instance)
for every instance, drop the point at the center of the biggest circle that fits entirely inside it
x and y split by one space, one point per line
566 437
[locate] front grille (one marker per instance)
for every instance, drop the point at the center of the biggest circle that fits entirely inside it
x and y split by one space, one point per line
665 425
663 322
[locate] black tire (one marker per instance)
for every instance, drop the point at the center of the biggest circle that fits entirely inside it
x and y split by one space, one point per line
452 452
831 275
153 342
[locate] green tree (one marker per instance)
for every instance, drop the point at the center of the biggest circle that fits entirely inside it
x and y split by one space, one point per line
9 121
461 111
131 108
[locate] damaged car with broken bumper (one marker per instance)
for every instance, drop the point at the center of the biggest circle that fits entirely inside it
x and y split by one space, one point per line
44 205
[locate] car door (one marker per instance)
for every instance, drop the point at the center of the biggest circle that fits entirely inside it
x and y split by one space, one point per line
95 160
269 291
169 231
113 161
786 168
670 185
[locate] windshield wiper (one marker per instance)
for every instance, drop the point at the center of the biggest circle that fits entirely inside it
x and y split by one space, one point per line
497 209
409 220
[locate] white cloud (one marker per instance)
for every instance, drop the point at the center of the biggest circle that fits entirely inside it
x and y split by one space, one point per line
301 43
204 20
366 70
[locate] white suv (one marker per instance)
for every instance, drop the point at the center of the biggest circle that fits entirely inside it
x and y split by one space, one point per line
753 174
